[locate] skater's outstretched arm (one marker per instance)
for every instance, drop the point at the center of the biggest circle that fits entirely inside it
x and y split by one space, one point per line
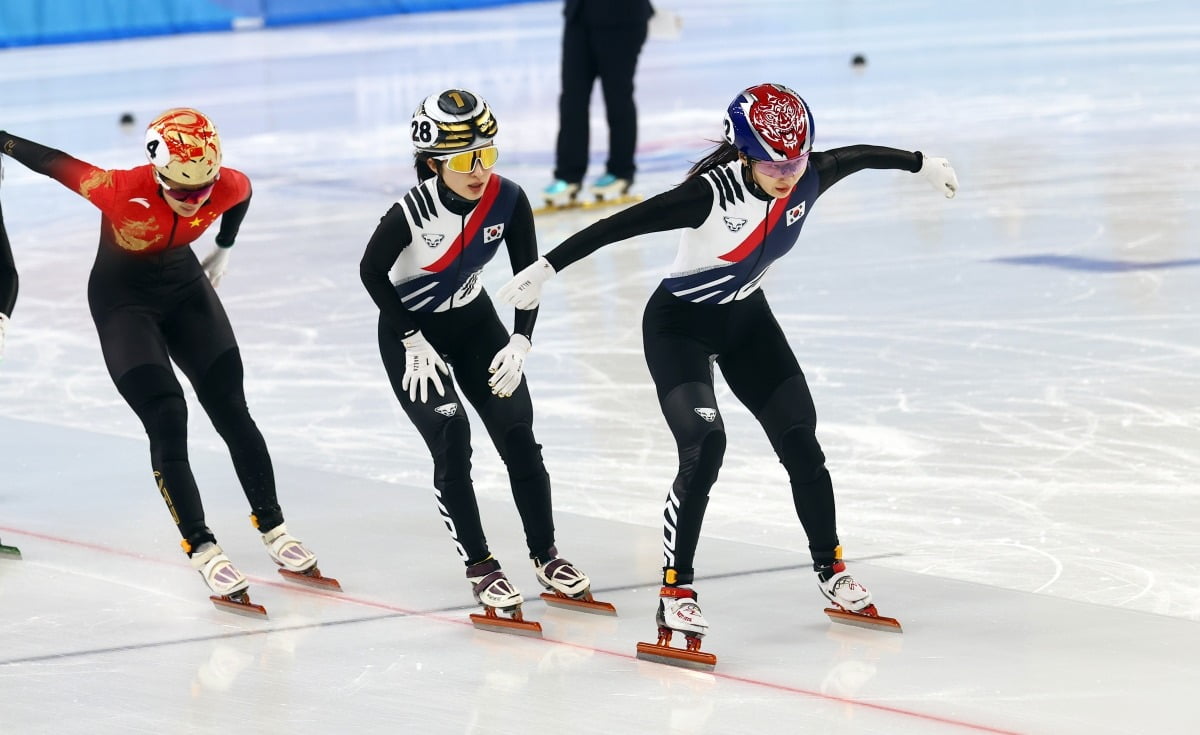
837 163
687 205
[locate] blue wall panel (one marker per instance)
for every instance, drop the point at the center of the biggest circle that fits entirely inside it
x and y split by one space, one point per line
31 22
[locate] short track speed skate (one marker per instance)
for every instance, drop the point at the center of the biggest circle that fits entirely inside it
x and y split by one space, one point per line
568 587
607 191
851 600
679 612
296 562
9 552
498 597
229 586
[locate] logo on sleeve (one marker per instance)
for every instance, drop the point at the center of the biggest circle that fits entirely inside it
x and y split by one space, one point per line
795 213
708 414
142 201
735 223
493 232
432 240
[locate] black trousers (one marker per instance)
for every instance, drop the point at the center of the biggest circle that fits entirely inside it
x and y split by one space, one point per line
609 53
468 338
682 341
151 311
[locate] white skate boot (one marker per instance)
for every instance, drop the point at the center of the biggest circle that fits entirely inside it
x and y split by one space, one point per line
221 576
287 551
491 587
679 611
841 589
851 600
229 586
569 588
295 561
494 592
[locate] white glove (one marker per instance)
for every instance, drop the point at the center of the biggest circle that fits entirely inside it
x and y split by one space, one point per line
524 290
3 326
421 365
507 366
940 173
214 264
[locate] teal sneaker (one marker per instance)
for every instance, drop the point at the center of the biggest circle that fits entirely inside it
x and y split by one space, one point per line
560 193
609 187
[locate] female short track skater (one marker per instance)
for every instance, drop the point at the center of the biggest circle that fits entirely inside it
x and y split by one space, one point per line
153 303
421 267
740 209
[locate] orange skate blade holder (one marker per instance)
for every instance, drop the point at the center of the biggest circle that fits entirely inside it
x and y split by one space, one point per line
240 604
517 624
587 603
312 578
689 658
617 201
869 618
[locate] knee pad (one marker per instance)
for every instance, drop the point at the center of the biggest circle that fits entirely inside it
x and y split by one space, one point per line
155 396
522 453
224 379
801 454
452 453
691 412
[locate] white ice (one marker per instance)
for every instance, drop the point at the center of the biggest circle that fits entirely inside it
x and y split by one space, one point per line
1008 386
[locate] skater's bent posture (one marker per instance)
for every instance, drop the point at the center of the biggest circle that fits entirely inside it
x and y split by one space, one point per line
153 303
421 267
740 209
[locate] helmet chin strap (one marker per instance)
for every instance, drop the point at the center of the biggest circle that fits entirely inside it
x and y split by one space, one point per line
748 179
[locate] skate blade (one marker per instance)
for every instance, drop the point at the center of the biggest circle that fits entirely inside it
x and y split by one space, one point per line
585 604
312 578
860 620
616 201
10 552
239 605
676 657
548 208
516 625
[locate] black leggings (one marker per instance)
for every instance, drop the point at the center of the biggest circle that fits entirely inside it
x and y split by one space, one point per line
158 309
682 341
468 338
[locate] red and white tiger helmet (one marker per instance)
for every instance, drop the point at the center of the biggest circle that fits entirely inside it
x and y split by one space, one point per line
769 122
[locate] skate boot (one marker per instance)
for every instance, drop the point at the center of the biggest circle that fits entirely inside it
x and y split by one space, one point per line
851 600
9 552
494 592
229 586
679 611
569 588
560 195
295 561
609 189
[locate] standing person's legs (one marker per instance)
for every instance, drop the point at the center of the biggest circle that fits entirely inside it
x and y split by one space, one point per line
200 340
616 50
442 423
578 75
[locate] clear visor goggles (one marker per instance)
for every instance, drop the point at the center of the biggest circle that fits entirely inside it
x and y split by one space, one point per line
783 169
464 163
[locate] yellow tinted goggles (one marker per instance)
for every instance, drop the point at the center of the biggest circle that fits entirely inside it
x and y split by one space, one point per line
464 163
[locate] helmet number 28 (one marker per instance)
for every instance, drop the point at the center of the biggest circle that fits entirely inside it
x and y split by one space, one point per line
422 130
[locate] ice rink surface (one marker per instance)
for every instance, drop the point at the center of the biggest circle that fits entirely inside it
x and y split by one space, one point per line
1008 386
